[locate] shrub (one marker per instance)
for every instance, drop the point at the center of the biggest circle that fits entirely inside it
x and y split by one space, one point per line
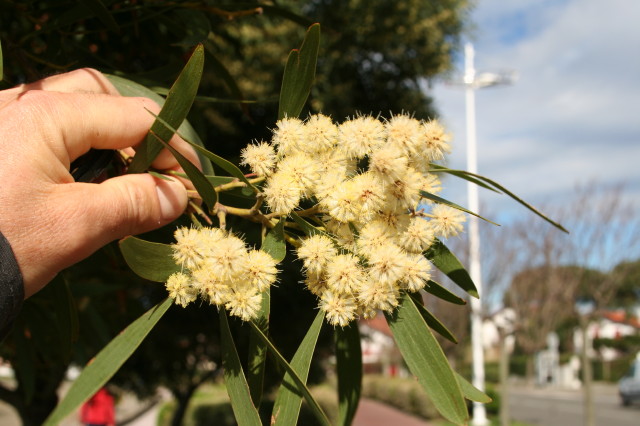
406 394
616 368
211 406
493 407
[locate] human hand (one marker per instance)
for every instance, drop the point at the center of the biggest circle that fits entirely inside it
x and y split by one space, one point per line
51 221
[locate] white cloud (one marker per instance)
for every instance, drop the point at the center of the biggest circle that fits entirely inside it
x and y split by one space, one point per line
574 114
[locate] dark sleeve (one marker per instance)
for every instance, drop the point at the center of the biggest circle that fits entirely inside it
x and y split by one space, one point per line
11 287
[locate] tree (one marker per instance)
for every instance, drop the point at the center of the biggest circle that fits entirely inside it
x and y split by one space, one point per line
376 56
559 270
146 40
380 54
628 292
540 270
540 296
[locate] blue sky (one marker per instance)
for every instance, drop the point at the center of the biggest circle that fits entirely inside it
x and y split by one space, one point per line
573 116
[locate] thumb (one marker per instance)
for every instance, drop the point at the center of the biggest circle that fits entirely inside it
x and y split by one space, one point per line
137 203
84 217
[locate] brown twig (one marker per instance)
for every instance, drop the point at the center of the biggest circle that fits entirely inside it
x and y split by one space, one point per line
222 218
236 183
198 210
310 211
193 194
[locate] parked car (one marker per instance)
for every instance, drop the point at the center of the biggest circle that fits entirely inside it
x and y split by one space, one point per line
629 385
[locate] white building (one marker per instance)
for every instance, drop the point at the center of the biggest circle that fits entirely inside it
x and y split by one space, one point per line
611 325
379 352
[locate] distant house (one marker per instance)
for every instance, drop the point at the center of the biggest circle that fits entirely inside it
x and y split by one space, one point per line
500 323
379 352
613 324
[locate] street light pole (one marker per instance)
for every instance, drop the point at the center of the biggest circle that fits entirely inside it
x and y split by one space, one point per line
479 411
473 82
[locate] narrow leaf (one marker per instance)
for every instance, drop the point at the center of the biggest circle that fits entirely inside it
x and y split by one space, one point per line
425 359
431 320
214 99
306 227
66 316
299 74
131 88
444 294
302 387
174 111
237 387
107 362
449 264
200 182
286 408
436 168
349 371
160 176
258 351
499 188
151 261
221 180
274 243
441 200
471 392
228 166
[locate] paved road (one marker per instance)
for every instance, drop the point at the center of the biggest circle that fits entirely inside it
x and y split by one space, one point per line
551 407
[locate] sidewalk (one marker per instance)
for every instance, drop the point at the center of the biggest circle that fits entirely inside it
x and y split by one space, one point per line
374 413
370 413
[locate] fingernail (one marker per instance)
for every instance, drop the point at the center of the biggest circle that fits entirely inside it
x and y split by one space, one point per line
172 198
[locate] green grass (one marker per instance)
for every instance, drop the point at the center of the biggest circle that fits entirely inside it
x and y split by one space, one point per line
210 405
207 395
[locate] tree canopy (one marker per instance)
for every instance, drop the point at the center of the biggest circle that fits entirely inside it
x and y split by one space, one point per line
376 57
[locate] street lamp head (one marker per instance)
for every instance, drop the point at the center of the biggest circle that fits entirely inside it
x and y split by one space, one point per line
585 306
489 79
474 80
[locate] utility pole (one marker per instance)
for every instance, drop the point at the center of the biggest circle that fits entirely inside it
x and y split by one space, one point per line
473 82
479 411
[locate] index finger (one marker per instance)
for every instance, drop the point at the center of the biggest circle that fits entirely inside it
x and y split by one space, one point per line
74 123
84 80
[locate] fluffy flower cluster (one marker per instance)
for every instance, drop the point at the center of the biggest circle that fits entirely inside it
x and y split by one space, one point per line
365 175
353 284
217 266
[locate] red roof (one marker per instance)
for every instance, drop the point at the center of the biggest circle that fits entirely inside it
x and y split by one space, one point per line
621 317
379 323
